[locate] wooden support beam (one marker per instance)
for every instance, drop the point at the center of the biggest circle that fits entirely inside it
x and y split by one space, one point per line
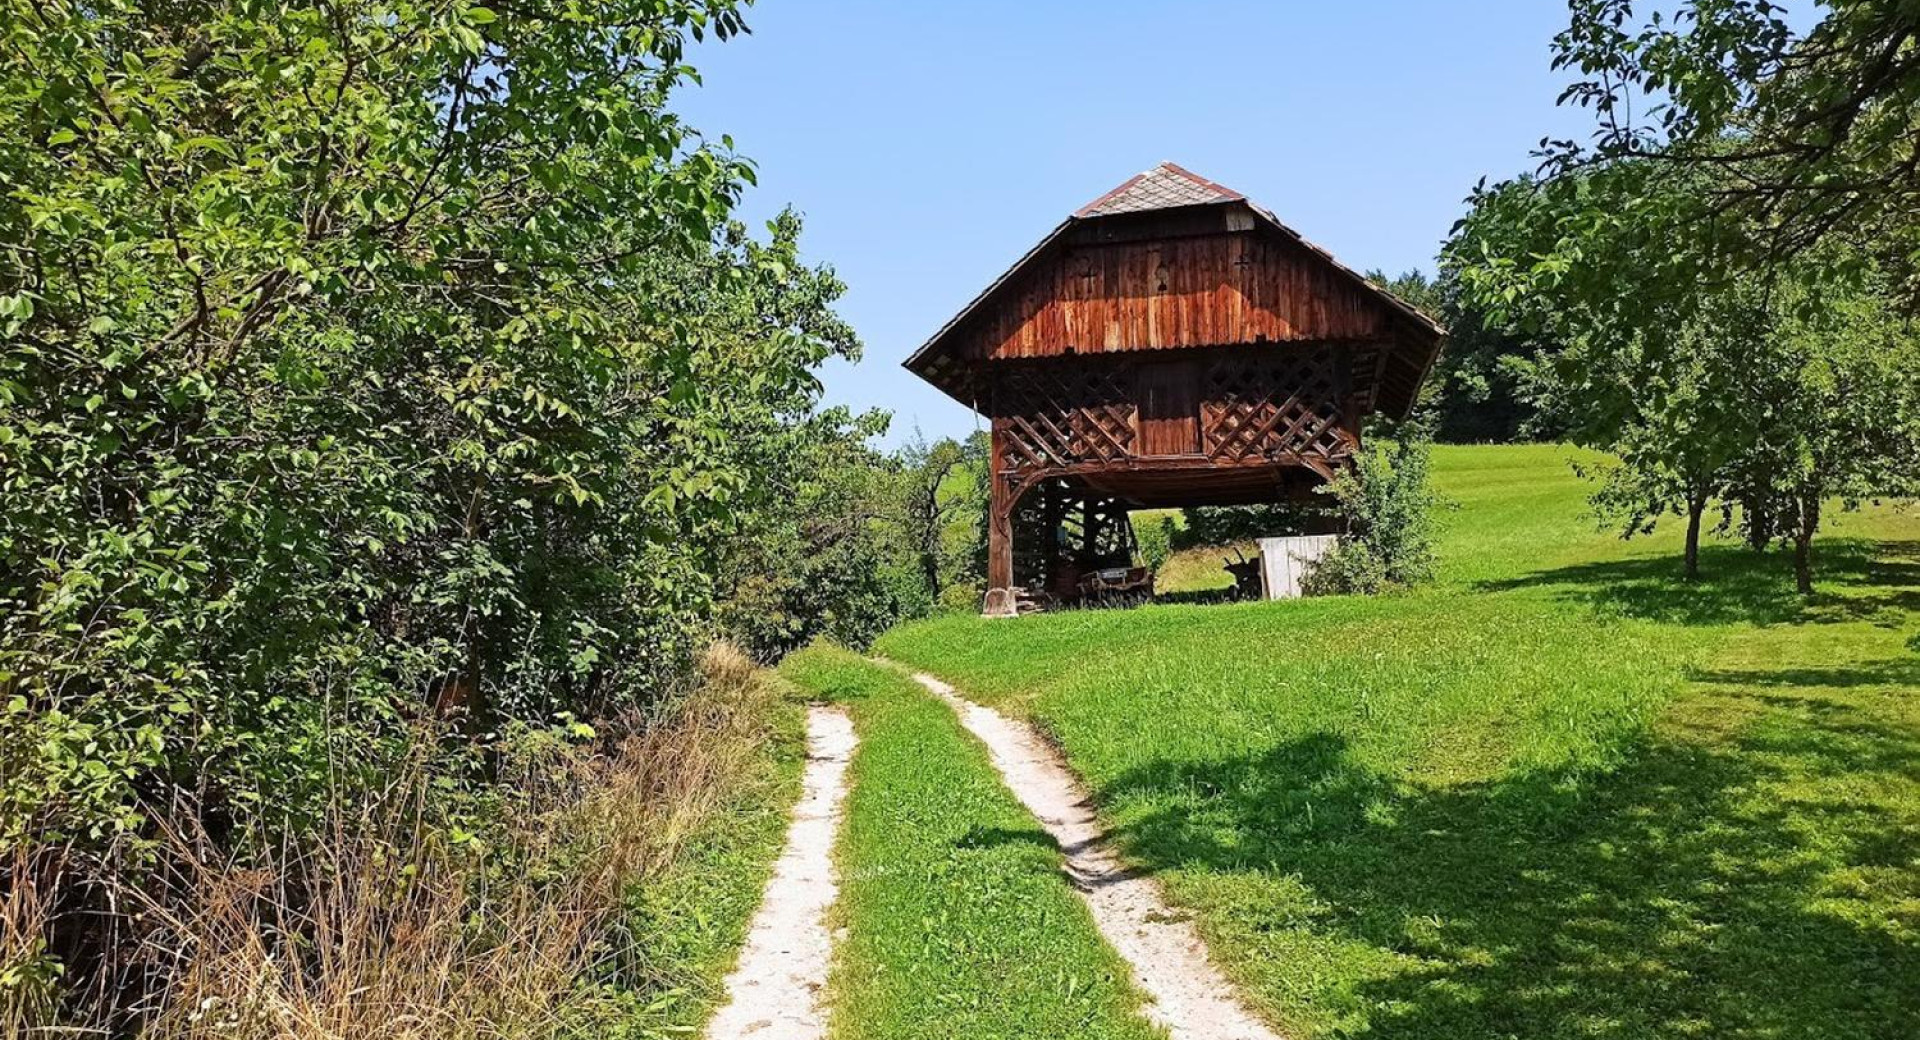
1000 598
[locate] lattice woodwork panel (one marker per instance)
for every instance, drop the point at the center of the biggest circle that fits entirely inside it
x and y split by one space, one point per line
1268 406
1096 531
1033 537
1057 415
1056 524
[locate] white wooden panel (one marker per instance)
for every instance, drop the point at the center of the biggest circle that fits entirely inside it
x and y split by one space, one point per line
1285 561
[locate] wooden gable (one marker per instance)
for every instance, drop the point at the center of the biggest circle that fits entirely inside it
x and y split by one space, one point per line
1170 261
1096 293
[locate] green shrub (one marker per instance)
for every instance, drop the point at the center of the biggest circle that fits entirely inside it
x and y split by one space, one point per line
1225 525
1347 568
363 370
961 599
1155 542
441 388
1386 507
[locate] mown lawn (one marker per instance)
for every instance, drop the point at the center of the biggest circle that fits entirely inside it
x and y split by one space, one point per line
958 921
1560 794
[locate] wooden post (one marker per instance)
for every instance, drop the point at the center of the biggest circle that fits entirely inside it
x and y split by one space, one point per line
1000 601
1090 525
1346 393
1053 512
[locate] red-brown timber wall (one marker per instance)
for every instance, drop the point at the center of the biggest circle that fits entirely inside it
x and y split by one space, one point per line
1157 294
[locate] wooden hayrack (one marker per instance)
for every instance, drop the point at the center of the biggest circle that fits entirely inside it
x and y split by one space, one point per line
1170 344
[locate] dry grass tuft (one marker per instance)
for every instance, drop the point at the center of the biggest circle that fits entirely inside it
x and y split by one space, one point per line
29 990
403 919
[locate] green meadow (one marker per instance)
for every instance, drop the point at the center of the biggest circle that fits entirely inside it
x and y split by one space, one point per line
1560 793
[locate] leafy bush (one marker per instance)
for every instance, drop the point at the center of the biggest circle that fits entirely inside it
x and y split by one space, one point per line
358 363
962 598
1387 508
870 537
1155 542
830 565
365 370
1225 525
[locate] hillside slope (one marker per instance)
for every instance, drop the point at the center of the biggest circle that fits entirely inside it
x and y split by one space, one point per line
1561 793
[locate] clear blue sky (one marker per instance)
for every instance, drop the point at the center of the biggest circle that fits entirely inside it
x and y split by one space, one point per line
930 144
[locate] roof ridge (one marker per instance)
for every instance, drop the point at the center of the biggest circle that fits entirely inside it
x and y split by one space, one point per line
1167 164
1166 186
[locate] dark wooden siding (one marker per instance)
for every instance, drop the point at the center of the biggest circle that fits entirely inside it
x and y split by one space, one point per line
1169 408
1236 287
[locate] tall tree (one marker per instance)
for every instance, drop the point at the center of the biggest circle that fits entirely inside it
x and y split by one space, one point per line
1839 413
1475 393
355 356
830 560
1687 423
1740 215
1709 382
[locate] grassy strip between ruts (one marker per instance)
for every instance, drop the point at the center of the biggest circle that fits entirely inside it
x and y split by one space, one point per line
959 922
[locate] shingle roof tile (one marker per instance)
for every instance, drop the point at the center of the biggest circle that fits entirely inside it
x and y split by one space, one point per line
1163 187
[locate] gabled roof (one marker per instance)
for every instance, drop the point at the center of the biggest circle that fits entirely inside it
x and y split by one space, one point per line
1166 186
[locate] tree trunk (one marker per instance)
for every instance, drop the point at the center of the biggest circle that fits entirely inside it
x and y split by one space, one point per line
1808 524
1696 506
464 693
930 569
1759 525
1803 563
930 539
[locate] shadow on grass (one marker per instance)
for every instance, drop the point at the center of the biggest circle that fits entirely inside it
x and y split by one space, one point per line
1903 671
1751 878
1855 579
1195 596
978 837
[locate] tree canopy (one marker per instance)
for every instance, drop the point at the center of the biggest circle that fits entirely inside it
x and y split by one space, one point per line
1713 267
1806 136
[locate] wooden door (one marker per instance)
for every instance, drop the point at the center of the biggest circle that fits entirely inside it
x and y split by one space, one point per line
1169 409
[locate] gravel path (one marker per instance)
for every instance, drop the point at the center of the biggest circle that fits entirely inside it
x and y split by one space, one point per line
1188 995
774 992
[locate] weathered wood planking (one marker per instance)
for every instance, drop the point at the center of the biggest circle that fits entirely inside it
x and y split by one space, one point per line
1241 287
1169 411
1285 562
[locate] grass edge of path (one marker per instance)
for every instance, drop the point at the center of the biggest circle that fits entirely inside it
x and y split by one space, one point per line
956 917
1756 784
692 921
